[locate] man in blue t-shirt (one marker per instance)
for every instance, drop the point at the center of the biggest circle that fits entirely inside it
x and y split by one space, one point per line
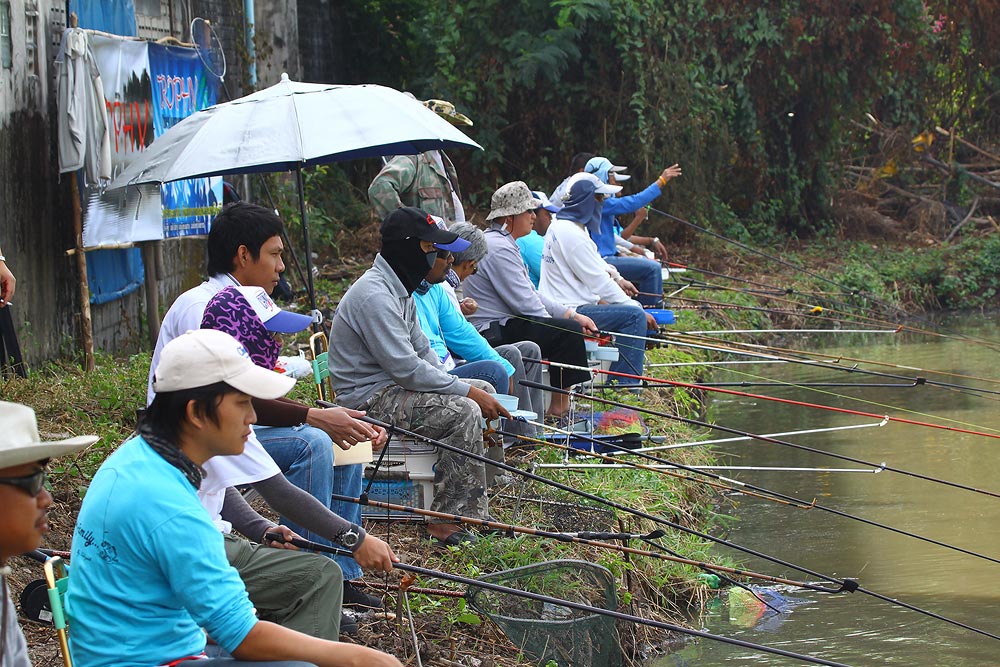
149 567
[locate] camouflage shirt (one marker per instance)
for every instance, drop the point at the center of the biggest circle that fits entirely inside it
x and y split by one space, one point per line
415 180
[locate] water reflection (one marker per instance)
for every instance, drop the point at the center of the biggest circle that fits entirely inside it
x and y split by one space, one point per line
855 628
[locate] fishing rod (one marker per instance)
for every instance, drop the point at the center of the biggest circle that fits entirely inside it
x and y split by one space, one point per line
844 583
699 443
797 502
775 399
763 438
857 385
839 357
787 331
681 338
587 539
577 606
664 468
672 266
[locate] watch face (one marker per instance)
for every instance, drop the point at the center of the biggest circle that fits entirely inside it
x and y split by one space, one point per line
349 539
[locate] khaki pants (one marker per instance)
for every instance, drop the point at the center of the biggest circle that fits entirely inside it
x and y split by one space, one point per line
301 591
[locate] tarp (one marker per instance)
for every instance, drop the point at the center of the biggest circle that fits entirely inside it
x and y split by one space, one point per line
114 16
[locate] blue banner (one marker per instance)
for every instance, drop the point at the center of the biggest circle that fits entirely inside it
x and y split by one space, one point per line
181 86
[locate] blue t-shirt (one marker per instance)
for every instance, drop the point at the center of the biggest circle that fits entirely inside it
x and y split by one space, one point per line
448 330
615 206
531 246
149 569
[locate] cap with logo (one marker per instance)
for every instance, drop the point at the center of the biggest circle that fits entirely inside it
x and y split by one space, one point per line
274 318
204 357
409 222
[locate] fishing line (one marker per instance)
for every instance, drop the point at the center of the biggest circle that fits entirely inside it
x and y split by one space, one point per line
792 501
769 435
788 401
588 539
846 584
315 546
748 349
763 438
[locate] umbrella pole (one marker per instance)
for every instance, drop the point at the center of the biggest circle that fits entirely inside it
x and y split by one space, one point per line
305 236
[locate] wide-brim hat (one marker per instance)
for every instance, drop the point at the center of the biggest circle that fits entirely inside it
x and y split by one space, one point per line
409 222
20 442
512 199
447 111
205 357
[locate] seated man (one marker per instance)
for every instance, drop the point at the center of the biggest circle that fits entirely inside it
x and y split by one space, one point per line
530 245
24 504
244 248
511 306
381 361
449 332
467 264
150 575
574 275
645 273
249 315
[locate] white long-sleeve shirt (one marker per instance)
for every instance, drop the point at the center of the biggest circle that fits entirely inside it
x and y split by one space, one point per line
573 273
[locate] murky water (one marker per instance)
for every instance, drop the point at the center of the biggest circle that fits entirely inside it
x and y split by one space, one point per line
858 629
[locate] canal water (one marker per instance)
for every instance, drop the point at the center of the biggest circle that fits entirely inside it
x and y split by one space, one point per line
858 629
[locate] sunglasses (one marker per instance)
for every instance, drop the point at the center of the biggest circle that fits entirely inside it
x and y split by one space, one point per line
443 254
30 484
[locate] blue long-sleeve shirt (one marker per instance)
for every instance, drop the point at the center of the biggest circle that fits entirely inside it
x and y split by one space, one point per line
615 206
149 568
447 330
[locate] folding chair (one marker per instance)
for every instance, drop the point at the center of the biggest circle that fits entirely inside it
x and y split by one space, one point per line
57 579
319 350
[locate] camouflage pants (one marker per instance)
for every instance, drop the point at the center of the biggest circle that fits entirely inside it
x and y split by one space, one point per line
459 481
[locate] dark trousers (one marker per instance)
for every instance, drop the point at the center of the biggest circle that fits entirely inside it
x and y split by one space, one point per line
560 340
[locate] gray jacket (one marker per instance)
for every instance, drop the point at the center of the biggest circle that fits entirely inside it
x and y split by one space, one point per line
376 341
502 288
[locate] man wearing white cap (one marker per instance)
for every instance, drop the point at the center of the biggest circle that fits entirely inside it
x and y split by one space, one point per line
150 575
24 504
645 273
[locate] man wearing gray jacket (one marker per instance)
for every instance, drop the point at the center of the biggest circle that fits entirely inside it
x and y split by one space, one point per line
380 361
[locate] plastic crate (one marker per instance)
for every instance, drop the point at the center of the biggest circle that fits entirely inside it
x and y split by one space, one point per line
417 492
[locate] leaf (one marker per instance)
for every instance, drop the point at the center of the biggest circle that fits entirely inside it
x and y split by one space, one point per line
469 618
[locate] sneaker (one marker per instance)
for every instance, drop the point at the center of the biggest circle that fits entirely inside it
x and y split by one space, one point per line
348 626
355 598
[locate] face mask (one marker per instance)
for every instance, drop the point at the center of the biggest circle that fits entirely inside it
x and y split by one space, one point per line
431 258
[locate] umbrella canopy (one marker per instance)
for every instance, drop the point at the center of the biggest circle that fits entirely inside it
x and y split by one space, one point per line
289 126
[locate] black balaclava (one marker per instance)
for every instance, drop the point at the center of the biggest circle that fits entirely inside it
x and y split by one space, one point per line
408 261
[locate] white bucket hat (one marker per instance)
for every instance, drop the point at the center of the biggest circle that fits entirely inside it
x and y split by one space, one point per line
205 357
20 442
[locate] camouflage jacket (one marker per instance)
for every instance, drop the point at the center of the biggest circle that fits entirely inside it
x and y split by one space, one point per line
415 180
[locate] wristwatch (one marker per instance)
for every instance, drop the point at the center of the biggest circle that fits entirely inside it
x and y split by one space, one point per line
350 537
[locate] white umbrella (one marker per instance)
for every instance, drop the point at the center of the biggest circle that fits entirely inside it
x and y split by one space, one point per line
289 126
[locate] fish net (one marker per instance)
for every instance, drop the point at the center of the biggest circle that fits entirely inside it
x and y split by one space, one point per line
547 632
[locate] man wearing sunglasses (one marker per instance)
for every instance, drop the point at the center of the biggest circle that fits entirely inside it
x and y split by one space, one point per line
24 504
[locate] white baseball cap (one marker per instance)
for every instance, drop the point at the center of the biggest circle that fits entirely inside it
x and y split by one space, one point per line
274 318
206 356
601 188
20 442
